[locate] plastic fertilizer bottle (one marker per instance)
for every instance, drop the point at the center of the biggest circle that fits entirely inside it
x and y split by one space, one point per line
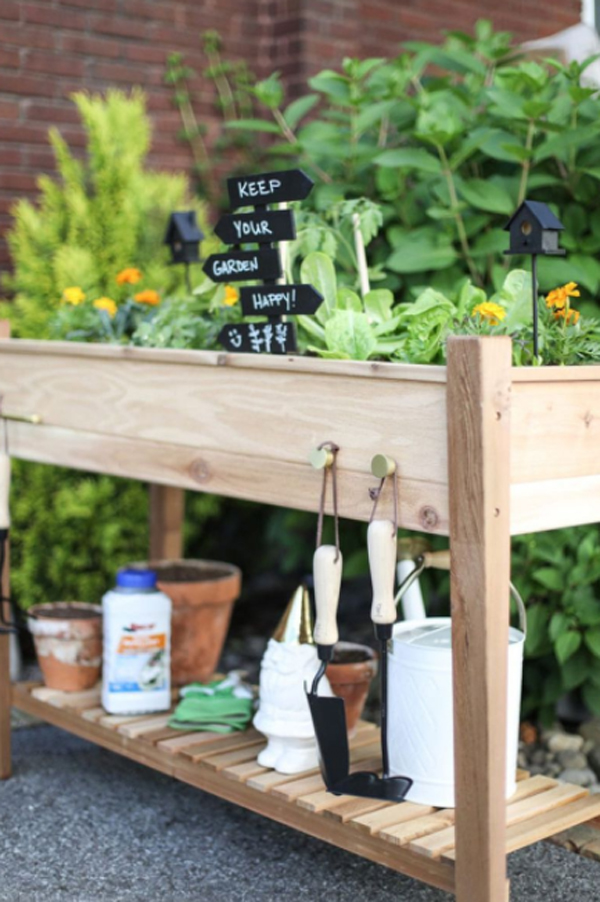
136 677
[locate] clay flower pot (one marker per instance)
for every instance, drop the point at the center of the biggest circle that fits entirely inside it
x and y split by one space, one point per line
203 594
350 673
68 643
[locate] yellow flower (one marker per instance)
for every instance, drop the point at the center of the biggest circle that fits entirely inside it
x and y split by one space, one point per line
571 316
490 311
106 304
129 276
148 296
232 296
73 295
558 297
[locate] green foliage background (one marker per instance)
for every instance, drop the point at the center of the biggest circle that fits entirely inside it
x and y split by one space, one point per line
102 214
71 531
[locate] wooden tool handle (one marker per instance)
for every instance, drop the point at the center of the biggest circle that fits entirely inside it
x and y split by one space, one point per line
4 490
439 559
327 574
382 545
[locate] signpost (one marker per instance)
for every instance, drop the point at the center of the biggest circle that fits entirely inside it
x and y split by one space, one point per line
239 266
262 227
256 338
268 188
275 300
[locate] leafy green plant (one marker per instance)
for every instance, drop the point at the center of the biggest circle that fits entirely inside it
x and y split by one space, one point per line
104 214
449 140
558 575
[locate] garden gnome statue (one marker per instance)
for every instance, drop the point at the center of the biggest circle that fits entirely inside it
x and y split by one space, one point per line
290 661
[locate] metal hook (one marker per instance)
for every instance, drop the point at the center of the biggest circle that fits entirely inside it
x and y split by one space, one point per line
325 457
383 466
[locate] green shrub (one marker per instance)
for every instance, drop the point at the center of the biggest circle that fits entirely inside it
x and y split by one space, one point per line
558 575
105 213
449 139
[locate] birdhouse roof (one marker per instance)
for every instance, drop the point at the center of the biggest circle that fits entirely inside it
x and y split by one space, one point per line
183 226
540 212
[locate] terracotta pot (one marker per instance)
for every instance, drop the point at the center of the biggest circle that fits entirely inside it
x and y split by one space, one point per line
68 643
203 594
350 674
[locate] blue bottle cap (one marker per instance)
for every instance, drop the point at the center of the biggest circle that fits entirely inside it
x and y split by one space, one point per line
136 579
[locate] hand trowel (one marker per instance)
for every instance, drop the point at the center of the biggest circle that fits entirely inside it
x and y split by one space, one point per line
328 714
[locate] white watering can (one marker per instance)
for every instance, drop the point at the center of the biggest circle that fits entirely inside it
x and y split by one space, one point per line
420 718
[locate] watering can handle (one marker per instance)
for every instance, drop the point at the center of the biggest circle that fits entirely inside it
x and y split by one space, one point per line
438 559
441 560
382 546
327 575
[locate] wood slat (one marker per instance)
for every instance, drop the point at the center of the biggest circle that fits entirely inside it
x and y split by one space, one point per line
389 817
137 729
113 721
402 834
93 714
243 772
323 800
222 743
185 740
305 785
352 808
238 756
436 844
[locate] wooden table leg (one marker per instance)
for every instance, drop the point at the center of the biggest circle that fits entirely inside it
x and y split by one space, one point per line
5 687
167 508
479 381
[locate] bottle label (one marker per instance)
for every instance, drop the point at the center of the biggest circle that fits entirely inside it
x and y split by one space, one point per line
140 663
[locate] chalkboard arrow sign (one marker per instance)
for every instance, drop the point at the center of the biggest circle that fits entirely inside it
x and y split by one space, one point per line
259 338
261 227
240 266
275 300
268 188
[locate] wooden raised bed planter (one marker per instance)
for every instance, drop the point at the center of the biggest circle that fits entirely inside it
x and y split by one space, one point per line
483 450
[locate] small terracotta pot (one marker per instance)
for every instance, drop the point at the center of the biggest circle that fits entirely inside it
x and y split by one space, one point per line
350 674
68 643
203 594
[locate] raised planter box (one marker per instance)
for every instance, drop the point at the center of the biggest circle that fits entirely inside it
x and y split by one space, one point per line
483 450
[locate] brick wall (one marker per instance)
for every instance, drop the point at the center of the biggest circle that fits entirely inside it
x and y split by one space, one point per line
50 48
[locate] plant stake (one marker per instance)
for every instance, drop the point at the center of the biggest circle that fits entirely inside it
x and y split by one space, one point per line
533 229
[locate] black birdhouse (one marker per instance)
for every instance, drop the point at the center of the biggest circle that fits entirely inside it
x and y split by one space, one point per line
534 229
183 237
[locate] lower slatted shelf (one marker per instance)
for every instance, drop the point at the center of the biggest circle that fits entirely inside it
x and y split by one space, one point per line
417 840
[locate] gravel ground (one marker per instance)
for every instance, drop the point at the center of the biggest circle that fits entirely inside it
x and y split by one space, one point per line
79 824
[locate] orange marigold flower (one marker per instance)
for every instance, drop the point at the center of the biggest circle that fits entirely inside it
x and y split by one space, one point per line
148 296
232 296
571 316
129 276
73 295
558 297
489 311
106 304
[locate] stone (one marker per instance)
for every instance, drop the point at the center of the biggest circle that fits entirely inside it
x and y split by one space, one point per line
594 760
561 742
591 730
522 761
594 789
539 757
588 745
569 759
579 777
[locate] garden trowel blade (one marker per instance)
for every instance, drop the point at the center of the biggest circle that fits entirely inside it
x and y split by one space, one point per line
329 720
371 786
